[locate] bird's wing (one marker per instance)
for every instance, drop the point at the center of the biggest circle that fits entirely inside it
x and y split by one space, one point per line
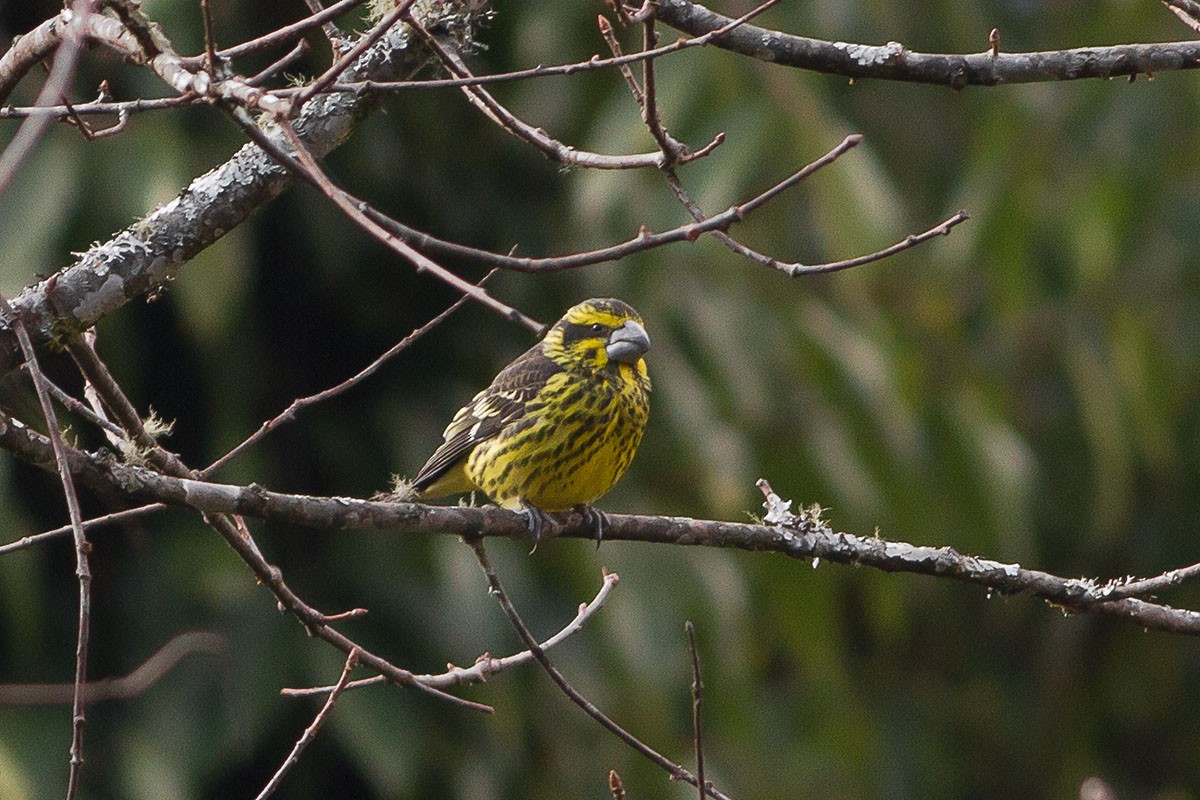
488 413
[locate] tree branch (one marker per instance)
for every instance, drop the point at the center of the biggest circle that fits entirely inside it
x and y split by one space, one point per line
802 537
149 252
497 591
137 682
486 665
895 62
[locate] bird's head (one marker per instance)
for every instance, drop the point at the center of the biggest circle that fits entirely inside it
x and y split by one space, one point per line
600 332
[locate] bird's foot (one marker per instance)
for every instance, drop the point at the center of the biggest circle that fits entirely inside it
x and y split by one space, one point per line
594 517
536 521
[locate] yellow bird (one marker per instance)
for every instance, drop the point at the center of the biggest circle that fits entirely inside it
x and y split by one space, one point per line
559 425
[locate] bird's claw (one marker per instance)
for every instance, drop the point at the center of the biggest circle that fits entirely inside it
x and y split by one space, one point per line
594 517
536 521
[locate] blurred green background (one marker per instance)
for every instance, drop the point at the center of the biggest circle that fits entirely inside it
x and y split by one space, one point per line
1024 389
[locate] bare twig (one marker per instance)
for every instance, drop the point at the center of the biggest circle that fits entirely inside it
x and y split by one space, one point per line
311 731
75 406
1147 586
344 60
82 548
298 405
908 242
292 56
26 542
122 107
497 591
671 149
136 683
234 531
696 696
287 33
210 43
610 38
615 785
332 34
486 665
552 148
1188 12
305 165
90 133
68 27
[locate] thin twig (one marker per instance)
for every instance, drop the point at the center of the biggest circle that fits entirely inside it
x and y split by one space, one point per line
57 84
610 38
673 151
495 111
298 405
75 406
1188 12
332 34
1147 586
26 542
311 731
285 34
344 60
125 107
941 229
696 694
134 684
305 166
292 56
486 665
497 591
234 531
210 45
82 570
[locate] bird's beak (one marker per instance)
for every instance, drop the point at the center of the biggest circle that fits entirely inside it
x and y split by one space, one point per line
628 343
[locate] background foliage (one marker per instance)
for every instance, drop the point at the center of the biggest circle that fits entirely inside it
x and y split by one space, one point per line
1024 389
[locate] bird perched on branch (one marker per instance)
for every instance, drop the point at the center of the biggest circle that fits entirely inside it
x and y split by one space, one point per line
558 426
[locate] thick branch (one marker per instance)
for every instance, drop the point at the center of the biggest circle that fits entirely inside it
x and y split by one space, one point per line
803 538
895 62
146 254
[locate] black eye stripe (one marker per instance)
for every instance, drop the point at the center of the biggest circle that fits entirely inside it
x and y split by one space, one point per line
573 332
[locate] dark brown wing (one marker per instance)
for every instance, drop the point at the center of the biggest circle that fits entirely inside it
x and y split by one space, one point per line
488 413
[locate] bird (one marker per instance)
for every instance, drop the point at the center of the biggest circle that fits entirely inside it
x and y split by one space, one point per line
558 426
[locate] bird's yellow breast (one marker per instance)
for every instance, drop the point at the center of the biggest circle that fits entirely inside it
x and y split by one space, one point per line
573 444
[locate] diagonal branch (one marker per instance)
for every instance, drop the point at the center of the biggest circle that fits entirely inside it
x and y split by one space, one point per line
59 454
311 731
487 665
497 113
151 251
233 529
497 590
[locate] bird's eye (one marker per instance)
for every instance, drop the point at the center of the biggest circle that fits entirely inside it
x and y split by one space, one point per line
597 327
